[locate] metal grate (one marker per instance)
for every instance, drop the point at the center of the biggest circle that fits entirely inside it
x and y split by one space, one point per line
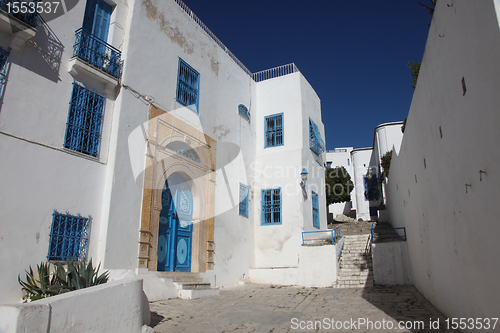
315 205
274 130
4 58
26 11
243 200
188 83
97 53
316 143
243 111
69 237
271 206
83 130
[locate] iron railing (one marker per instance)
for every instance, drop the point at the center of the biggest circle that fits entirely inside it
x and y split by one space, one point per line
4 58
373 235
335 235
97 53
26 11
274 72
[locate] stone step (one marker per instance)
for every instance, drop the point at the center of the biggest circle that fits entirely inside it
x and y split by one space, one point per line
363 266
342 286
193 285
363 278
180 276
197 293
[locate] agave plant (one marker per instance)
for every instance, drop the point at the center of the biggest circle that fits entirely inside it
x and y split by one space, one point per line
77 275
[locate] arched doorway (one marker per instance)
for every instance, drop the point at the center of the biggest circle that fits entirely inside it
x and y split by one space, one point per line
175 227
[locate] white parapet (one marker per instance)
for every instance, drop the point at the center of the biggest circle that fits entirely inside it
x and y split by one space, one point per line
111 307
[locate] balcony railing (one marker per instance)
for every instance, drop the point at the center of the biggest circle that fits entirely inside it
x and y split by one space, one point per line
275 72
26 11
97 53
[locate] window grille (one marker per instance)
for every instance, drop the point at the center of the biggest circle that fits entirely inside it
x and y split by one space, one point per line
188 83
243 111
315 205
274 130
316 143
83 129
271 206
4 58
243 200
329 165
69 237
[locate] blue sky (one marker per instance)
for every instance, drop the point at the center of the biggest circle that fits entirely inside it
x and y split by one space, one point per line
353 53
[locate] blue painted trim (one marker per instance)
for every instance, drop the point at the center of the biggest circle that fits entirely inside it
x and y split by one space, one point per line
69 237
274 134
270 208
316 143
243 111
315 210
243 205
188 86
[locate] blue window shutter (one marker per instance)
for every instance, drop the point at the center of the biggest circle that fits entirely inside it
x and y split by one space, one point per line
262 207
243 111
97 18
274 130
271 207
316 143
315 207
188 84
243 206
101 20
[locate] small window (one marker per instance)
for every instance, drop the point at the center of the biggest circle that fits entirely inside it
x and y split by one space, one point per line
329 165
188 84
83 129
274 130
316 143
69 237
271 206
243 111
315 205
243 200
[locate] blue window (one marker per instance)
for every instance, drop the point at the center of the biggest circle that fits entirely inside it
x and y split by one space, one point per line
4 58
69 237
274 130
271 206
83 130
329 165
91 40
188 84
243 200
316 143
315 203
243 111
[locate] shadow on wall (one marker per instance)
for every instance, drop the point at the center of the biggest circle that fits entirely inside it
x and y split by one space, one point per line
43 54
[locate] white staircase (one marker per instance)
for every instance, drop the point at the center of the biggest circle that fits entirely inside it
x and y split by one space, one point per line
356 270
189 285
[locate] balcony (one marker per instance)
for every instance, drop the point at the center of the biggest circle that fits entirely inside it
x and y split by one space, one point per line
18 21
93 57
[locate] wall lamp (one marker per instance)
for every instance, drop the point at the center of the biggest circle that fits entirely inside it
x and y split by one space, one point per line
303 175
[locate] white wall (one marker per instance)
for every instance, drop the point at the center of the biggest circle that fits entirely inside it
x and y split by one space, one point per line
38 174
342 157
451 228
361 162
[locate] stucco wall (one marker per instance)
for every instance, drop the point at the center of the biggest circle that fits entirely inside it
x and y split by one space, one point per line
450 137
361 162
111 307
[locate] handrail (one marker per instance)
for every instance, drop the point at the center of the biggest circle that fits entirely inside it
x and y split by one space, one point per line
336 235
271 73
97 53
386 237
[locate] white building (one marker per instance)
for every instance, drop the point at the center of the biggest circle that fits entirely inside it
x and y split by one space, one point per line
442 184
175 155
335 158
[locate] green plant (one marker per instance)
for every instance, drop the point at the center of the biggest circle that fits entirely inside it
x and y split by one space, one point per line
415 70
338 185
385 161
77 275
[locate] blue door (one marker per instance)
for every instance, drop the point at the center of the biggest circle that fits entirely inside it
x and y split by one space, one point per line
97 17
175 228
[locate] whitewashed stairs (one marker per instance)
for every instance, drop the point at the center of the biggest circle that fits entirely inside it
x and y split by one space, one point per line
356 269
189 285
